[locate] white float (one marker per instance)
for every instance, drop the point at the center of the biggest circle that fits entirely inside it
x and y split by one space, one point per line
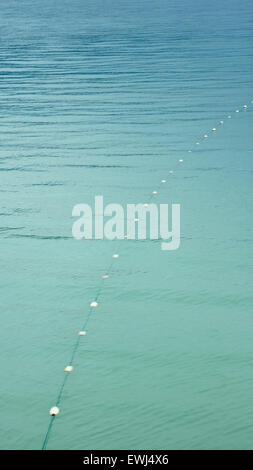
81 333
54 411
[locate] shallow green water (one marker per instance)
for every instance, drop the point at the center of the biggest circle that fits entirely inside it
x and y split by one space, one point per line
104 98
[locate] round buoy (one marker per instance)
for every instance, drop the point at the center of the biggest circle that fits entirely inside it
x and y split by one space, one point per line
237 111
154 192
81 333
197 143
181 160
68 369
214 129
189 151
205 136
163 181
115 256
221 122
105 276
245 106
94 304
229 117
171 172
54 411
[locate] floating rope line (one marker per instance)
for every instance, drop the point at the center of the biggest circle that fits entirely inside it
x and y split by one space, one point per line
55 410
206 136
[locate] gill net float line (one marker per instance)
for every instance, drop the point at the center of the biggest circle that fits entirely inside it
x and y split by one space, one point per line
55 410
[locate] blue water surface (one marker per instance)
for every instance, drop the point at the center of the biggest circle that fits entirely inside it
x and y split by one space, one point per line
103 97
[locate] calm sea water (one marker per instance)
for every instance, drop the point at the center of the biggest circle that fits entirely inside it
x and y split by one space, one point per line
103 97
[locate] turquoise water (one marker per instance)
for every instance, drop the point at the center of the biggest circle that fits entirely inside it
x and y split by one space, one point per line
104 97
